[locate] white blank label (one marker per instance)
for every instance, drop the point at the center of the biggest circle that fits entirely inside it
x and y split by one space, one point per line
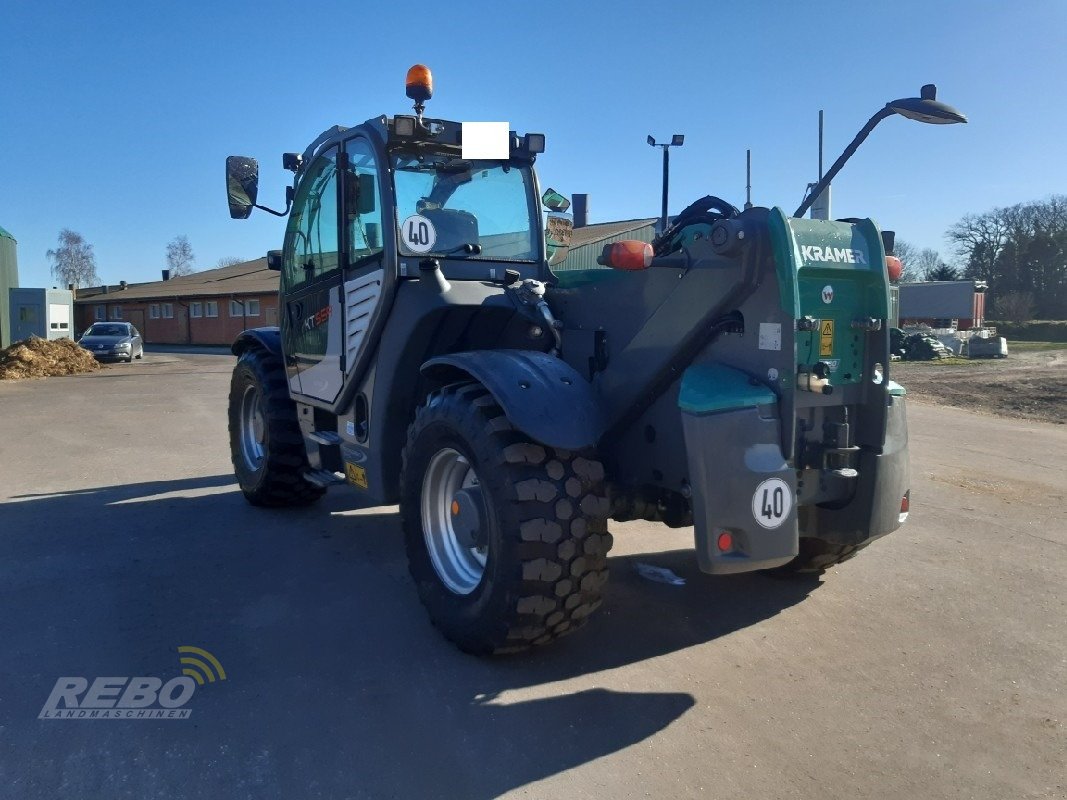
486 140
770 336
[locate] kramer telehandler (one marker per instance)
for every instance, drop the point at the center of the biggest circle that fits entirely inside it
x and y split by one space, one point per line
732 377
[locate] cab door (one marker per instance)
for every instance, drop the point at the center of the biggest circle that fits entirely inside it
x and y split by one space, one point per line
363 239
312 316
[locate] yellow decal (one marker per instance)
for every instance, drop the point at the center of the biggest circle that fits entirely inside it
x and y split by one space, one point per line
826 338
356 475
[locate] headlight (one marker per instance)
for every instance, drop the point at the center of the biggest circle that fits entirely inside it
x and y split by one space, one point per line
123 346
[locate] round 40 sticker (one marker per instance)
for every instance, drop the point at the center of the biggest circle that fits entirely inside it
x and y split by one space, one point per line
772 502
418 234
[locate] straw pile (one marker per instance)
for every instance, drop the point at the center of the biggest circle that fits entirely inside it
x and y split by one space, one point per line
40 358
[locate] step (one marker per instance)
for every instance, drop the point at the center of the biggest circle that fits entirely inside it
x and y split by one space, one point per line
326 438
323 477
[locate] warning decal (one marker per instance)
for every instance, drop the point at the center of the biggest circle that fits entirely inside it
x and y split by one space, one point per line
826 337
356 475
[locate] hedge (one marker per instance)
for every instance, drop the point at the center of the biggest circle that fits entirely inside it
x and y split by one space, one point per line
1036 331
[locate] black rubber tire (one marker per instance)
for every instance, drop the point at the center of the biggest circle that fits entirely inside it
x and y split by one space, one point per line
816 556
140 354
279 479
547 519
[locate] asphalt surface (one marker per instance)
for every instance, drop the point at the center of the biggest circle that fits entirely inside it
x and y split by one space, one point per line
934 665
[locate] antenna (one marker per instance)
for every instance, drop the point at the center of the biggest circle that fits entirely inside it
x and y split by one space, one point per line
820 144
820 205
748 180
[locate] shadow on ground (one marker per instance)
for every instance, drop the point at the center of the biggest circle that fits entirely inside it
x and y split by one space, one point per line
336 683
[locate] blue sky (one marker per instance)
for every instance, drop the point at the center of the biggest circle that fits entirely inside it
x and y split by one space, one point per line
115 119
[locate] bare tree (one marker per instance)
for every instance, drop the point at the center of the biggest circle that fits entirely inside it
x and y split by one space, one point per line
908 254
73 261
980 239
229 261
180 256
931 267
1019 248
921 263
1015 306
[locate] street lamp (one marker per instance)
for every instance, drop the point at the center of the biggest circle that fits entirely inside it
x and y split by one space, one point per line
924 108
676 141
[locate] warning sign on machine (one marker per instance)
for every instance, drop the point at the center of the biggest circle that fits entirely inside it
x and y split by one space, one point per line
826 337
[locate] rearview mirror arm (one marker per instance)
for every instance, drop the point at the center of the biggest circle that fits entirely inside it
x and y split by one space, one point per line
288 205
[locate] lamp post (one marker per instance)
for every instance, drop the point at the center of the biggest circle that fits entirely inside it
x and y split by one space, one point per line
924 108
676 141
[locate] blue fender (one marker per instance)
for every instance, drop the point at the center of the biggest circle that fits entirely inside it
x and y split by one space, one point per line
270 339
541 395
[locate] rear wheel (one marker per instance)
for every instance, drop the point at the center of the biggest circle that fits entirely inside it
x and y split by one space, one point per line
266 446
506 538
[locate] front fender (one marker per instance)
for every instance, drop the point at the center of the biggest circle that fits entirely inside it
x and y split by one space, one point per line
541 395
270 339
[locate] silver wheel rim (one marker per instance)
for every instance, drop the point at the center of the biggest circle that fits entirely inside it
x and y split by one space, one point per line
460 568
253 428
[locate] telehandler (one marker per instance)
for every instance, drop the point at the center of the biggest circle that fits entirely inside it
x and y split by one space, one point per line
732 377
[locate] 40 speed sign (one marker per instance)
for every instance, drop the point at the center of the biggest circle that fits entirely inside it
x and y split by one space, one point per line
771 503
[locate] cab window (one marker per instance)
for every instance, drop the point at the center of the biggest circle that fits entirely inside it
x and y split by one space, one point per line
362 208
444 205
311 246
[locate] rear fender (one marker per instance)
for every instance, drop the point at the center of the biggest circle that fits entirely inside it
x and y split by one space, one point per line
541 395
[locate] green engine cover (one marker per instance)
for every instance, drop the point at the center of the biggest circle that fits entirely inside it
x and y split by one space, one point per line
834 272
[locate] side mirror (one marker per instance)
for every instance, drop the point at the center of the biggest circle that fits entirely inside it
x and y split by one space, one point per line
274 260
628 255
554 201
558 230
242 185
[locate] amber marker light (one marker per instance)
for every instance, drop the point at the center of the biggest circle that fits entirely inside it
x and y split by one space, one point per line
895 267
419 83
629 255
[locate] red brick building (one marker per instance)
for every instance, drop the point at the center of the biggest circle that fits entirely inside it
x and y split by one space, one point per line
205 308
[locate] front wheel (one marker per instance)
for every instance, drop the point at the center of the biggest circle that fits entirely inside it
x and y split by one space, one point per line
506 538
266 446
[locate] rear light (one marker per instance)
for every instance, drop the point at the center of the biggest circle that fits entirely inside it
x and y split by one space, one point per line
905 506
725 541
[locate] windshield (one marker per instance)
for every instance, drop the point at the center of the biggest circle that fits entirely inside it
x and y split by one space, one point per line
467 209
107 330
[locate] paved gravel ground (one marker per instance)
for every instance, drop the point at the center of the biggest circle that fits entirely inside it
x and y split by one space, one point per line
1026 385
932 666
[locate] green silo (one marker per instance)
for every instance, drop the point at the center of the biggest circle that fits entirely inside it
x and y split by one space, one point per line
9 279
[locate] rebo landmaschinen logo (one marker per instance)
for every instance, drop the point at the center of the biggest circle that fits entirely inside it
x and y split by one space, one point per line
142 697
